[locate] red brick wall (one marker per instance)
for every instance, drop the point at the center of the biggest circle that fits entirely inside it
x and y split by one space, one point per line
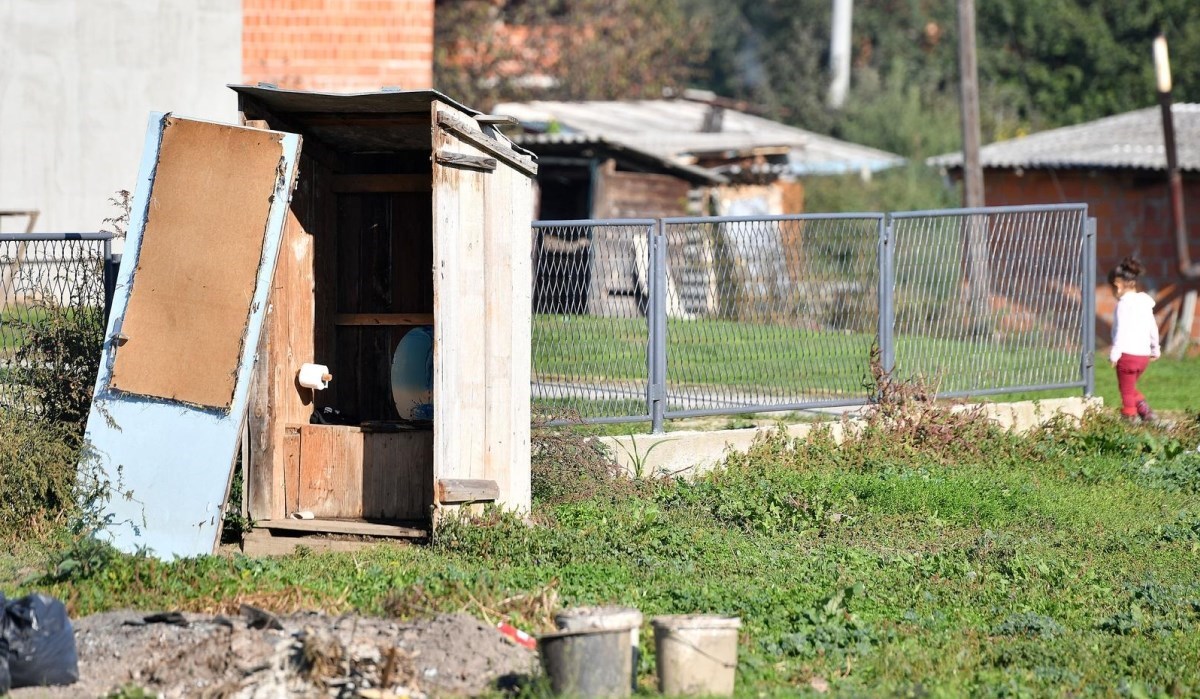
338 45
1133 217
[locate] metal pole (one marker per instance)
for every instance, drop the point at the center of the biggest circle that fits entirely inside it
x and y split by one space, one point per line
887 297
110 278
657 359
1088 279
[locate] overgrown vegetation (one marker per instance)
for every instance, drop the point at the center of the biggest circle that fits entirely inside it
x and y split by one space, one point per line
49 379
927 555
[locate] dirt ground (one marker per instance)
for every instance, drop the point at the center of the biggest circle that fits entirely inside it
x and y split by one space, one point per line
261 656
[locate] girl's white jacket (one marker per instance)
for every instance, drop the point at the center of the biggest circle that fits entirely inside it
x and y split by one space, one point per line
1135 331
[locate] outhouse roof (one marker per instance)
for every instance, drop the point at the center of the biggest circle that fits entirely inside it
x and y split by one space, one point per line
387 120
1132 140
383 102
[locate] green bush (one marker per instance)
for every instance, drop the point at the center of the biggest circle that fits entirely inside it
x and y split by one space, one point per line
37 473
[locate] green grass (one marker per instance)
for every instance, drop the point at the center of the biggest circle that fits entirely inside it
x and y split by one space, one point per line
770 357
926 562
1169 384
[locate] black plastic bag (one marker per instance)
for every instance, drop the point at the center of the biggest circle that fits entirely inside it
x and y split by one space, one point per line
5 680
41 643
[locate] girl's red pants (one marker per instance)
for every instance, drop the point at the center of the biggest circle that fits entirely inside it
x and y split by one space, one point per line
1129 369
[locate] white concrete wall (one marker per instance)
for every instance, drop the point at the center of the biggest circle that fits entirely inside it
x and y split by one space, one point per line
78 79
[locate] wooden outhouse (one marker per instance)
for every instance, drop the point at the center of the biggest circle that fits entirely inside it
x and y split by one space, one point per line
409 210
321 232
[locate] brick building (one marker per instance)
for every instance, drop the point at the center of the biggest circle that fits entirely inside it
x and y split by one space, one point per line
338 45
1117 166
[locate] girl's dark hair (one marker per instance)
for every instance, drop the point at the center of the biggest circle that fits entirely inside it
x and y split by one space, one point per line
1128 270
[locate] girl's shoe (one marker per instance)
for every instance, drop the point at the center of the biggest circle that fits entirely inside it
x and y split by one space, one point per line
1144 412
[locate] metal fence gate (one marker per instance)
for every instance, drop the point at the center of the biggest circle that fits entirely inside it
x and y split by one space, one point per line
653 319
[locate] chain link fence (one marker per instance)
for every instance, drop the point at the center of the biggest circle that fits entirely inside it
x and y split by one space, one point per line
55 289
645 319
989 300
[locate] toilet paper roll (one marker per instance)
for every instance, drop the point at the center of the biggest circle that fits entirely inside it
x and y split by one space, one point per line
314 376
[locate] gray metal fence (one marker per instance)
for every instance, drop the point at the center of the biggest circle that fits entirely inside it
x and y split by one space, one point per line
653 319
55 288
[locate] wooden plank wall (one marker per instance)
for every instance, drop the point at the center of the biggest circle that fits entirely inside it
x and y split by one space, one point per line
349 473
384 258
288 341
638 194
482 284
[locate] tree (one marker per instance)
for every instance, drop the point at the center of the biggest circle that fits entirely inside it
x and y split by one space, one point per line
492 50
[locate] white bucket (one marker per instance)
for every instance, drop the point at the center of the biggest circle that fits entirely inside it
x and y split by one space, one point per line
594 618
697 654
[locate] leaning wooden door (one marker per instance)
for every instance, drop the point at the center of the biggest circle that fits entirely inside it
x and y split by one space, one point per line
205 225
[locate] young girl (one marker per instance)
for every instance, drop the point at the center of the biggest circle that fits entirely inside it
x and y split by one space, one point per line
1134 337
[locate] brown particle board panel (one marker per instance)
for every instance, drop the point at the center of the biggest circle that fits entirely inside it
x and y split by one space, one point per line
197 263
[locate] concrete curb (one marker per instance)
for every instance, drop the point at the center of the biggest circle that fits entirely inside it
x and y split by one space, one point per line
688 453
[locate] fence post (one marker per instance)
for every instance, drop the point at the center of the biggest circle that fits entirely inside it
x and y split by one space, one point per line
1088 296
887 296
111 264
656 360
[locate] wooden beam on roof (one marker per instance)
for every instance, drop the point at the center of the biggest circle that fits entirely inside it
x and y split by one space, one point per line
487 144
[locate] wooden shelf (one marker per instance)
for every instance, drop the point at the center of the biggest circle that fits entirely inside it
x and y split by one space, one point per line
383 319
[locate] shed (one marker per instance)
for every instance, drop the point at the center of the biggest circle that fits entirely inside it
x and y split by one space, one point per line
409 210
1117 165
326 230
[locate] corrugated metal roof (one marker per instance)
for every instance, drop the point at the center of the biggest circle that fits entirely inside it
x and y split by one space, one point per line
688 172
673 128
1130 140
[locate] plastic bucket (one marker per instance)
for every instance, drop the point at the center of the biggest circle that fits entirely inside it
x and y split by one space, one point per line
588 663
584 618
697 654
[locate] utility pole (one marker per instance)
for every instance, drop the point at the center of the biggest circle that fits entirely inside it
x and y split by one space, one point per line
1181 330
975 227
839 52
968 80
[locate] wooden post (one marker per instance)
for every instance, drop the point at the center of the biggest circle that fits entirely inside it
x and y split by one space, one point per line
978 274
969 105
1181 331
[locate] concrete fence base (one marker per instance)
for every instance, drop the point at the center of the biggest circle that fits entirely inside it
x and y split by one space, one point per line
693 453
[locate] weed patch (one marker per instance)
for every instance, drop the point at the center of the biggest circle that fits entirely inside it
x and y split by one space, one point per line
37 475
